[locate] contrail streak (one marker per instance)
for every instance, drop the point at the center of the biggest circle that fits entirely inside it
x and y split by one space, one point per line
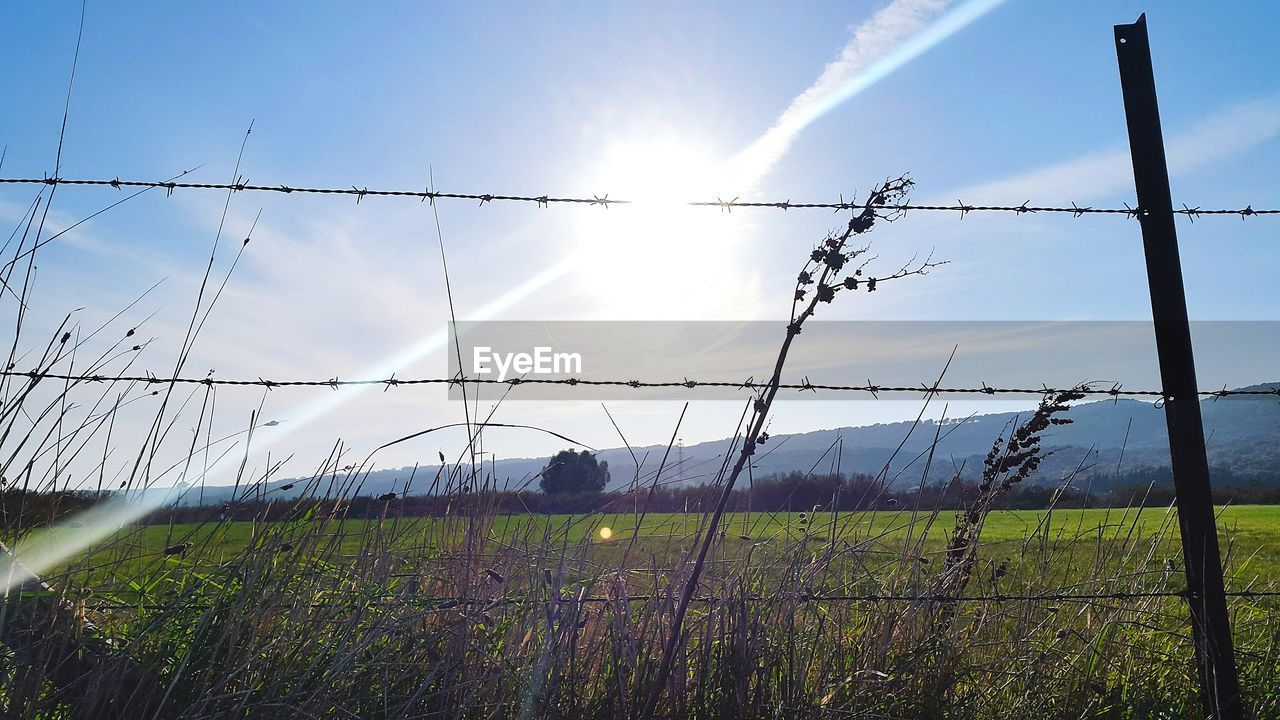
893 37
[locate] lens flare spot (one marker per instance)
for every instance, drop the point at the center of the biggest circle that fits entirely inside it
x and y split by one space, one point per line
605 533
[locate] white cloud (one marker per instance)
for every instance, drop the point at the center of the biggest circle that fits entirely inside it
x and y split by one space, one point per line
1232 130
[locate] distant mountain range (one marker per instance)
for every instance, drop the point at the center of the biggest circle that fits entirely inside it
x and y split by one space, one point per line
1242 435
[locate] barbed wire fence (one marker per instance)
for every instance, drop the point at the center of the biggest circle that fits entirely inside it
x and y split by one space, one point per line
430 194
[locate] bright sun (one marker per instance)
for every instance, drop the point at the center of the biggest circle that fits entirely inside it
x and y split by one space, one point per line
605 533
659 258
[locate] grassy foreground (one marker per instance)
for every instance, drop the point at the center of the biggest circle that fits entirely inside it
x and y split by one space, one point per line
543 616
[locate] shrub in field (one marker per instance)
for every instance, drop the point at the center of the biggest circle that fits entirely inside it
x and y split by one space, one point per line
570 472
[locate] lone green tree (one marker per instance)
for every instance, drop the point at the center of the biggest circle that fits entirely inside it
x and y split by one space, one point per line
571 472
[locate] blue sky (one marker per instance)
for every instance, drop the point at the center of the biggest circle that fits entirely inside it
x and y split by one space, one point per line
582 99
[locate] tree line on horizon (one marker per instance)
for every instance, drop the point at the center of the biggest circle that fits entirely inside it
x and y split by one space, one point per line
792 492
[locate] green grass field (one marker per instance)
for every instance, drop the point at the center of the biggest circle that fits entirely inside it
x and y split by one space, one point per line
1062 539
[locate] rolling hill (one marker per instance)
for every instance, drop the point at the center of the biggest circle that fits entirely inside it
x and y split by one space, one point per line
1129 434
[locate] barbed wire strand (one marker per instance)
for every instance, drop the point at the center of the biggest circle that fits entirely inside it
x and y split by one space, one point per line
447 603
748 384
430 194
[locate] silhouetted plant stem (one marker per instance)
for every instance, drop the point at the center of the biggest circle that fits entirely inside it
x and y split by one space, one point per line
828 260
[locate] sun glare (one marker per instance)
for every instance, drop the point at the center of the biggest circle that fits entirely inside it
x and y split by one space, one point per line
658 258
605 533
